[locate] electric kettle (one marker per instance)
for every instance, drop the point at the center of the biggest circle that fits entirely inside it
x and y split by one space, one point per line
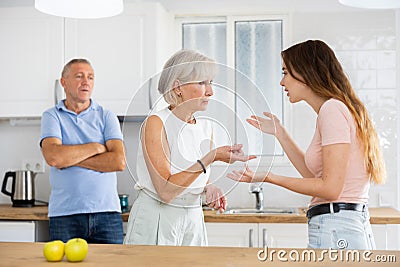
23 188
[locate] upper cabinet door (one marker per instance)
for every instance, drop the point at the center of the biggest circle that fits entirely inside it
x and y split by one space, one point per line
114 47
31 60
125 51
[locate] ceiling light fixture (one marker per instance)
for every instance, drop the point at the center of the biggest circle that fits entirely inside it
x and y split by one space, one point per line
80 9
372 4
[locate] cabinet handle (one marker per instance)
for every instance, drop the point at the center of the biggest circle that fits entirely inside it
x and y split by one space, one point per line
250 238
149 93
58 92
265 238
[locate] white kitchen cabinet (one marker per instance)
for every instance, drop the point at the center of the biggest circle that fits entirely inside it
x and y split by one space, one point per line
386 236
24 231
278 235
114 46
380 235
125 51
232 234
31 53
283 235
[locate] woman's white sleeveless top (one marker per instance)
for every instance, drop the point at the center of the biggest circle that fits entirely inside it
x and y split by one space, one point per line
187 143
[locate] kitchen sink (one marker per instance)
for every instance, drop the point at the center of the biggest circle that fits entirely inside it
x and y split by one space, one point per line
268 210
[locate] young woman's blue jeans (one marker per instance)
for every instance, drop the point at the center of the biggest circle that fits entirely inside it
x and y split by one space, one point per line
102 227
346 229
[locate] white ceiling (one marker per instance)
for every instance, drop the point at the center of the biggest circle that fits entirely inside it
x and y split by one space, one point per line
233 6
246 6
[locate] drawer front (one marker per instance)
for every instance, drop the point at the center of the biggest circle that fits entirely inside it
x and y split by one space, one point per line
17 231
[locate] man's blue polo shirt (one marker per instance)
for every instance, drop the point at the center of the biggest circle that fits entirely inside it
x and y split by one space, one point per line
77 190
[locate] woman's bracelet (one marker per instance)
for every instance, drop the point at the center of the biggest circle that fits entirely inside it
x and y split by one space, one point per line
202 165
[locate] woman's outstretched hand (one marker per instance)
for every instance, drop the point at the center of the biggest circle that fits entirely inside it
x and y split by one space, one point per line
247 176
230 154
267 125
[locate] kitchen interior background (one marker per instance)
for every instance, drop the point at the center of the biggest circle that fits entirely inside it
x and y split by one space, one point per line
367 43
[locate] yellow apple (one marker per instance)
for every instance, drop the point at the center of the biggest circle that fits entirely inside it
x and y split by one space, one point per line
76 249
54 250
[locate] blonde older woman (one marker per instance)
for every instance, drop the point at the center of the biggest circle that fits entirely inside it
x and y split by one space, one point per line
175 153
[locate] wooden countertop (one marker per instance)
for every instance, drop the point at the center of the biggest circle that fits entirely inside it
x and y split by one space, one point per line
39 213
378 216
30 254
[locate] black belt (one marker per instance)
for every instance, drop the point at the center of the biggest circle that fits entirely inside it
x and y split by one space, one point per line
325 208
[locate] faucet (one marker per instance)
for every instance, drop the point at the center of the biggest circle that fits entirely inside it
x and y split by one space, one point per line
258 191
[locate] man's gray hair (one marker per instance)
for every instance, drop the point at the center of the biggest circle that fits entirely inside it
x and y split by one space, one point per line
67 66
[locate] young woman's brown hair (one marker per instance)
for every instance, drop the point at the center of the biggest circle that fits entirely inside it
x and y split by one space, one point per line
319 68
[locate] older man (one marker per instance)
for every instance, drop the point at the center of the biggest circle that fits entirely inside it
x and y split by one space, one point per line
82 142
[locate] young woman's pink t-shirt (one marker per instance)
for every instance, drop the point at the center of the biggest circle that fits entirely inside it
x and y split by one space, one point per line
336 125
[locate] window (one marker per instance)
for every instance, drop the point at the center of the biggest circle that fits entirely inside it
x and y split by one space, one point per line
252 45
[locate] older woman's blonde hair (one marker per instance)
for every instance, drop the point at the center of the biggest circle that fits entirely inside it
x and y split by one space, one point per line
184 66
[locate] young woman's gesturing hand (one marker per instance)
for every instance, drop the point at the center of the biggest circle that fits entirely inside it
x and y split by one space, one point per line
248 176
268 125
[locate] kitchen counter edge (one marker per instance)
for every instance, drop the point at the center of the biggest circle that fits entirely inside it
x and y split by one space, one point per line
383 215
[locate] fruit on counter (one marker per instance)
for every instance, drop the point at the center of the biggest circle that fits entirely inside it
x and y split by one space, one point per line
76 249
54 250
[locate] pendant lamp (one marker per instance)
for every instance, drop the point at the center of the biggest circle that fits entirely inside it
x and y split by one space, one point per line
81 9
372 4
